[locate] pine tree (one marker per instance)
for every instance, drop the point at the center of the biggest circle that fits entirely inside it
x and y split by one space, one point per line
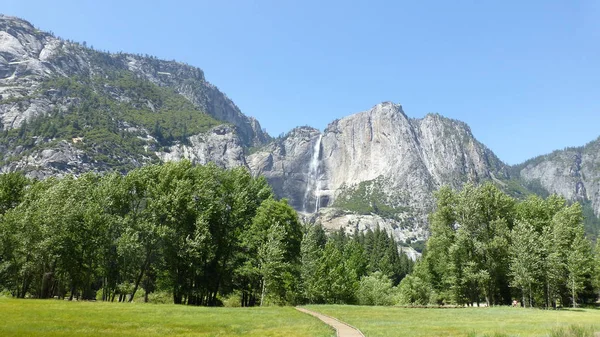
596 267
311 252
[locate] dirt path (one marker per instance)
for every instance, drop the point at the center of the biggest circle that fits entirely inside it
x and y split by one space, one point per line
342 329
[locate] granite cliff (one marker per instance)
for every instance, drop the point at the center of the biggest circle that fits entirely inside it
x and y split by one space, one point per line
376 167
67 108
573 173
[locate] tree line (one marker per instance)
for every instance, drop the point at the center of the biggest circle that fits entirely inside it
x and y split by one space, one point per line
488 247
202 234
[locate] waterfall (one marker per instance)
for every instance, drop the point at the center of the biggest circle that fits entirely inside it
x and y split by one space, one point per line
313 182
315 162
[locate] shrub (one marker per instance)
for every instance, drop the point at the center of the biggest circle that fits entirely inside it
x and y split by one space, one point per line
414 291
375 289
232 300
160 297
573 331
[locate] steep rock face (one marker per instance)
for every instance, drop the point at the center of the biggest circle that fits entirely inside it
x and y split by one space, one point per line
220 145
285 163
573 173
63 158
28 56
418 155
379 157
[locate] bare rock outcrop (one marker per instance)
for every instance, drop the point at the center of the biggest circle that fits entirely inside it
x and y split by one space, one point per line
573 173
221 146
381 158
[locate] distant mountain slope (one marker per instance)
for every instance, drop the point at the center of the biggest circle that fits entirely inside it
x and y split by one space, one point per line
573 173
377 167
67 107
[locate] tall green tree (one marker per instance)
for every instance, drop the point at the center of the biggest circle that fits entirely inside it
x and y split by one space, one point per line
525 258
596 267
578 266
12 190
272 243
272 265
342 281
311 252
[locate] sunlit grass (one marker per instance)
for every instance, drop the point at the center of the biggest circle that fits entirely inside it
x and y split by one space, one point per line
498 321
63 318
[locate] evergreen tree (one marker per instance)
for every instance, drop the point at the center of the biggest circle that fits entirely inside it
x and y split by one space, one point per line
311 252
596 268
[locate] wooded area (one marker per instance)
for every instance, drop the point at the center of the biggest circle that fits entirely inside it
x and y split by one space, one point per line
201 233
488 247
205 235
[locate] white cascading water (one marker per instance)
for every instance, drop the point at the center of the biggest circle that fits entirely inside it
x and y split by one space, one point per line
314 183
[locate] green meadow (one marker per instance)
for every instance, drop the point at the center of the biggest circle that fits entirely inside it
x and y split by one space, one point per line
496 321
20 317
63 318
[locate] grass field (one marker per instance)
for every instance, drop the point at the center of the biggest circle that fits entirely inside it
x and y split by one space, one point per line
501 321
62 318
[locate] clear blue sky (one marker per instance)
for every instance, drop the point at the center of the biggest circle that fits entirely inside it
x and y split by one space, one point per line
525 75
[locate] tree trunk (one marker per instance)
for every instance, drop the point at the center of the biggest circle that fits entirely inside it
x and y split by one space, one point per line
24 288
573 292
146 286
262 294
176 297
139 278
47 281
53 288
548 295
103 289
72 291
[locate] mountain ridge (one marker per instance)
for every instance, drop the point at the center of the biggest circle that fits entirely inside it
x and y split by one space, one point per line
43 55
66 108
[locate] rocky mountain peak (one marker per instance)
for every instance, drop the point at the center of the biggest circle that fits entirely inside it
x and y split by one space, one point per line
29 57
374 168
